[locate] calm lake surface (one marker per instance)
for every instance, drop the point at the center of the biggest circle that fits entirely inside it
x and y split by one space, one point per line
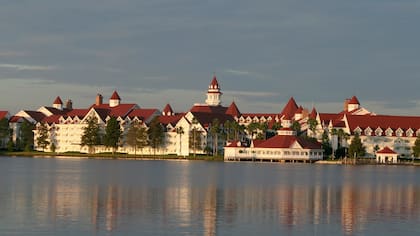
113 197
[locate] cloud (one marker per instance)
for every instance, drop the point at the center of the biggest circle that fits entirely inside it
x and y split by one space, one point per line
250 93
11 54
21 67
237 72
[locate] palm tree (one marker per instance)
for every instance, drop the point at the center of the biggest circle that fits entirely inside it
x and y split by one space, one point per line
214 131
180 131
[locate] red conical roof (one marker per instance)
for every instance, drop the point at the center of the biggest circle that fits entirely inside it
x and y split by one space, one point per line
313 113
354 100
233 110
214 83
115 96
58 101
290 109
167 109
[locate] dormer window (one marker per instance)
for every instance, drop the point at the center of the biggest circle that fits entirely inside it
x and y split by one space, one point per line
409 133
358 131
368 131
389 132
378 132
399 132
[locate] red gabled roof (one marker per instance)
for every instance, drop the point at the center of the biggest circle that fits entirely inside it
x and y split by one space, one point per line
58 101
290 109
168 109
142 114
386 150
56 111
354 100
384 122
36 115
3 114
209 109
299 110
233 110
170 119
15 119
51 119
77 112
327 117
121 110
286 141
115 96
259 115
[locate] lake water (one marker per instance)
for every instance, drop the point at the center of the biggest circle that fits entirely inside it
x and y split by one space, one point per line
114 197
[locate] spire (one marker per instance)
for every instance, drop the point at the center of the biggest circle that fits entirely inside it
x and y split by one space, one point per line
233 110
214 83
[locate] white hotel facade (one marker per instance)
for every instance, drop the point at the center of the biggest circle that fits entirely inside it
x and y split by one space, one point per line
66 126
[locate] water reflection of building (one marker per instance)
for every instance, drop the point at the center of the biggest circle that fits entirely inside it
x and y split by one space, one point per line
205 207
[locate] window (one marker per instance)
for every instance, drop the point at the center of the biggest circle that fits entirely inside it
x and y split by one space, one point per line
389 132
368 131
399 132
378 132
409 133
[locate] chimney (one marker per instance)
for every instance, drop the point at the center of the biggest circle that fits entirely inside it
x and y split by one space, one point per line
346 104
99 99
69 104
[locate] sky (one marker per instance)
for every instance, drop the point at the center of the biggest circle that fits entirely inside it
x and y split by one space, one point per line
166 51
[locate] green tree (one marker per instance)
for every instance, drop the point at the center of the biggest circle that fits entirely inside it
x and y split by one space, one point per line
326 145
238 130
195 140
136 136
26 136
42 138
252 129
276 126
230 133
112 134
312 123
156 134
215 132
416 147
53 147
91 136
356 148
4 131
180 131
296 127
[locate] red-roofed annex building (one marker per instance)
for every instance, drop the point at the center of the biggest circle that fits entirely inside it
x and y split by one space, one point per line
284 147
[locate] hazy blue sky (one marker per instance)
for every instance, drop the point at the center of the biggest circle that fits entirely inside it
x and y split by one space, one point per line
263 52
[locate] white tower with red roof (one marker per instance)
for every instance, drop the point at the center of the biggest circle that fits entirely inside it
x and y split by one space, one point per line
213 93
58 104
114 100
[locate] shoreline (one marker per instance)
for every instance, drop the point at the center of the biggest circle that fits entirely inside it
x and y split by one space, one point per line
106 156
119 156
